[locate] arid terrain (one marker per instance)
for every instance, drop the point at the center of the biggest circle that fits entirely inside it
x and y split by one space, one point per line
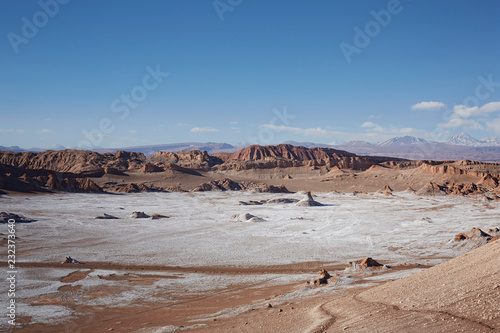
276 169
235 243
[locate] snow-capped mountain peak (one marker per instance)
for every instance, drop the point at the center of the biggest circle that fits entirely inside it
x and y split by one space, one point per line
491 141
403 141
464 139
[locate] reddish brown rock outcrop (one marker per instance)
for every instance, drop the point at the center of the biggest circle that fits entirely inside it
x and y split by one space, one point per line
455 168
288 152
135 188
194 159
464 189
283 156
263 187
366 262
112 171
477 235
81 162
489 182
222 156
387 190
323 278
218 185
227 184
80 185
156 216
432 188
149 167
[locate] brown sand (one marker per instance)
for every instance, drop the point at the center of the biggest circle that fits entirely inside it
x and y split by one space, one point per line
75 276
462 294
410 304
303 178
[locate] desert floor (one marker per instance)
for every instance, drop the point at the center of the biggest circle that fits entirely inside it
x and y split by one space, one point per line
209 267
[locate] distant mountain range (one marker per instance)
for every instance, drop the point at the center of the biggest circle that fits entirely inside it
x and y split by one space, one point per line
459 147
464 139
210 147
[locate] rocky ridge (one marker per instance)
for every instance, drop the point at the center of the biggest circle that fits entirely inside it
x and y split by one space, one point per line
81 171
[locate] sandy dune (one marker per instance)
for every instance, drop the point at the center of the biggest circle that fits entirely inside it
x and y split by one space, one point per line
460 295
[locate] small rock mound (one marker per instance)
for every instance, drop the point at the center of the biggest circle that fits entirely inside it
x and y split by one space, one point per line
424 220
139 215
136 188
282 201
324 278
157 216
489 182
174 188
494 231
252 203
70 260
150 167
432 188
5 217
218 185
308 201
287 177
105 217
263 187
477 236
246 217
365 264
387 190
112 171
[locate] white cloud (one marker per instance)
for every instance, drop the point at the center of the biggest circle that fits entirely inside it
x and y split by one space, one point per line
459 122
429 106
494 125
303 131
373 126
407 130
46 131
377 134
233 122
395 131
491 107
204 129
11 130
461 111
132 131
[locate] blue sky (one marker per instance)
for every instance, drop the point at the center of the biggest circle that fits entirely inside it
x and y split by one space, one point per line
116 73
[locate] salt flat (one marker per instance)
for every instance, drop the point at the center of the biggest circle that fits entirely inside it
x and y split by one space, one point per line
201 231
